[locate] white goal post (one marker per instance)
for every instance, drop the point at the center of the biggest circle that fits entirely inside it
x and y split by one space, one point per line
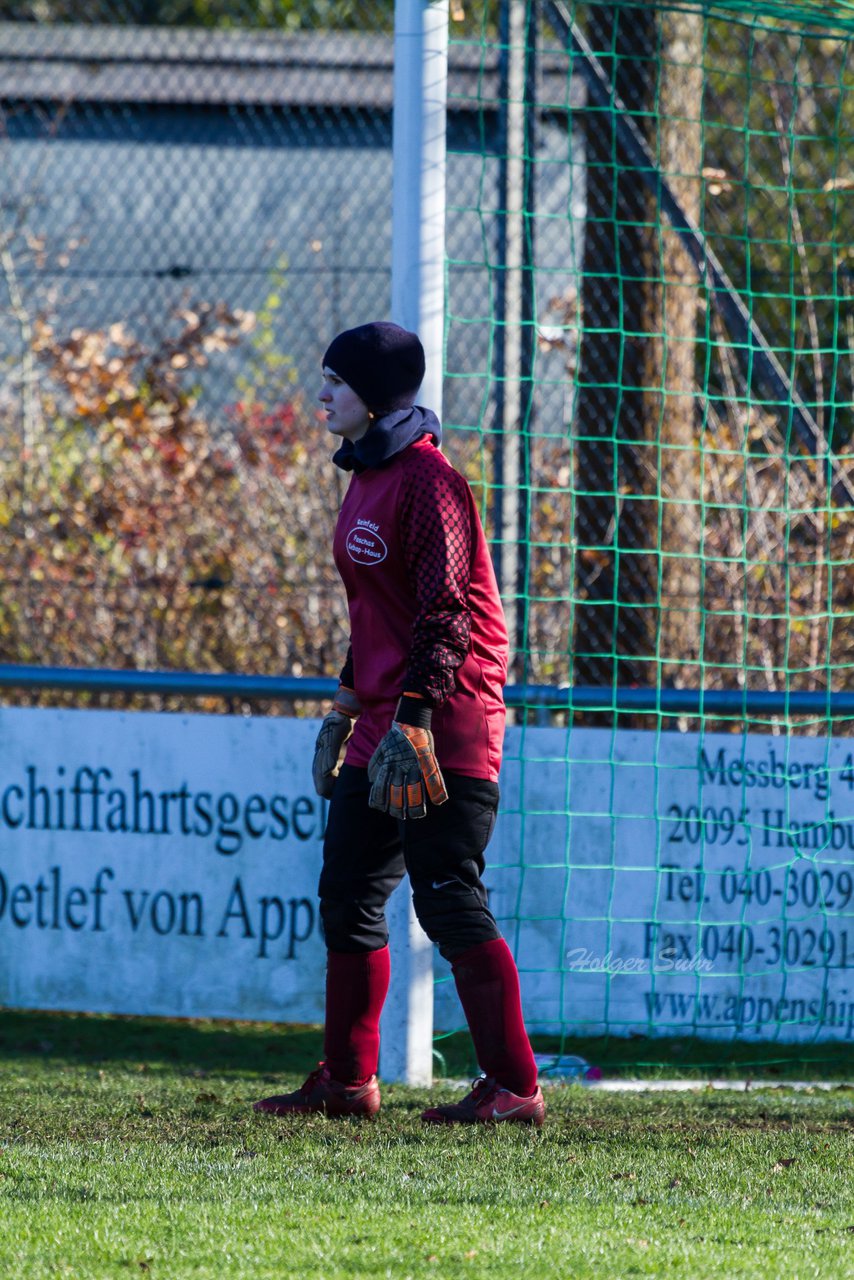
417 303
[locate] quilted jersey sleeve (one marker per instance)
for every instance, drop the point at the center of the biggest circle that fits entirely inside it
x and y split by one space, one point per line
436 539
348 675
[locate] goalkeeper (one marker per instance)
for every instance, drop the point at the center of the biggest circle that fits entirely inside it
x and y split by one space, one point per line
410 753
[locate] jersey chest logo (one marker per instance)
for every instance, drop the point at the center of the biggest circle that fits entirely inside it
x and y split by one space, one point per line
364 544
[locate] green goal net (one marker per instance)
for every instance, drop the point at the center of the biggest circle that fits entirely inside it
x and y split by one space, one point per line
649 334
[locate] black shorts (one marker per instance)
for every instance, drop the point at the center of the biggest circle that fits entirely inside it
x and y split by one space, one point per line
366 854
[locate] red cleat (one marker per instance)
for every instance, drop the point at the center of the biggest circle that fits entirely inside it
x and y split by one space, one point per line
488 1103
322 1095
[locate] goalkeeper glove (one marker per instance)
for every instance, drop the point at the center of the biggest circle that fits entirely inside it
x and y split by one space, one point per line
335 733
404 771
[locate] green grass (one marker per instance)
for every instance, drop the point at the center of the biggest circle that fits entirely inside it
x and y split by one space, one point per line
128 1147
657 1058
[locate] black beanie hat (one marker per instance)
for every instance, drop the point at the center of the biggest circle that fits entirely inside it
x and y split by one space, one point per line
383 363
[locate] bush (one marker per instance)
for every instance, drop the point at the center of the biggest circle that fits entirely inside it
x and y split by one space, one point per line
137 532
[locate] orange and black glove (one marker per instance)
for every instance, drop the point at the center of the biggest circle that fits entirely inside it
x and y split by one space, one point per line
404 771
335 733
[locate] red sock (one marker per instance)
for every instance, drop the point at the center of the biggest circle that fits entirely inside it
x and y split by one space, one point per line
488 986
356 988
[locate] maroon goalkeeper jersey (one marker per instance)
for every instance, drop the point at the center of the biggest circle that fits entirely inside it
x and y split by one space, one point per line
425 614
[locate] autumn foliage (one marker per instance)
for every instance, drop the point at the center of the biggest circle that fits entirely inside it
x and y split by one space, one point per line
138 531
141 531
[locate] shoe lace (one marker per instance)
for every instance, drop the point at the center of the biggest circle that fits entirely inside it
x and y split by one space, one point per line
320 1072
483 1088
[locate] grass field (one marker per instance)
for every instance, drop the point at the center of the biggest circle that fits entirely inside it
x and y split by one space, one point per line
128 1147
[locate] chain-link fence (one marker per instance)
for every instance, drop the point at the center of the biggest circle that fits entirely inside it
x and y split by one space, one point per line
190 212
648 382
195 197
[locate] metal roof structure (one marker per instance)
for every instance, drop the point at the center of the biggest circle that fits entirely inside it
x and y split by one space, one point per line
160 65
